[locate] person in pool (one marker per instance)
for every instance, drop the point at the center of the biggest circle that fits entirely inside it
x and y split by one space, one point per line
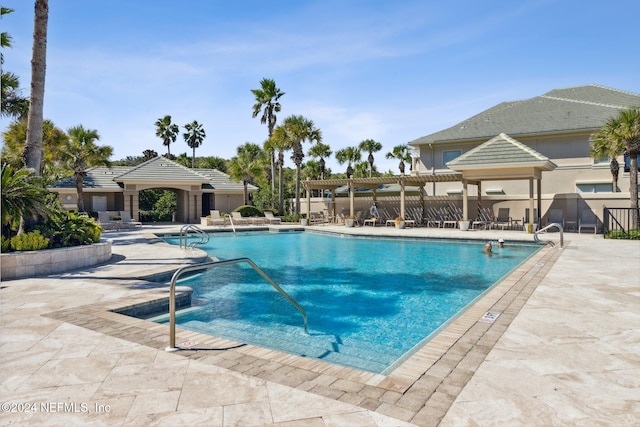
487 248
501 243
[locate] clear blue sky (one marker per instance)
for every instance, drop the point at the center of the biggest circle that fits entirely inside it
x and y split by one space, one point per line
388 70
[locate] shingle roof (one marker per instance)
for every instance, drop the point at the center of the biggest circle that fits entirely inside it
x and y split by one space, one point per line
580 108
500 151
155 170
161 169
96 178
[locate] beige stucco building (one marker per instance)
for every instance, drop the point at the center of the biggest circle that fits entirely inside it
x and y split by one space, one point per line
118 188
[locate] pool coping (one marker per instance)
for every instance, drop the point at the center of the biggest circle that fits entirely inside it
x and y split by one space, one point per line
420 390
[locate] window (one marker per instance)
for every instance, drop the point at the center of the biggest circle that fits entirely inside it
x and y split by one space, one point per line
449 155
594 187
627 162
603 161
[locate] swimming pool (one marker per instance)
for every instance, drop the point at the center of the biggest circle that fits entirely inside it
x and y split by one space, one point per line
370 301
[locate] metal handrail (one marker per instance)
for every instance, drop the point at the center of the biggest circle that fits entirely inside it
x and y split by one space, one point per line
208 265
555 224
233 227
184 230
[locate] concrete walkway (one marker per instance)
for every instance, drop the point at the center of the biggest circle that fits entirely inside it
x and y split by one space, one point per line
567 354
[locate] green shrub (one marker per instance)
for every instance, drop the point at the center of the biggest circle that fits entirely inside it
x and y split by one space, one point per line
31 241
71 229
619 234
6 244
249 211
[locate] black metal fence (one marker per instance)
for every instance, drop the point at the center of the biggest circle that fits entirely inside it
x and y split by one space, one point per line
621 223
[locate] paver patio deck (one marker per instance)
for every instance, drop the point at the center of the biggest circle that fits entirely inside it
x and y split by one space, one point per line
564 350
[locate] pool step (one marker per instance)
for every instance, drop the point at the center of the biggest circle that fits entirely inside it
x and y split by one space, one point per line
343 351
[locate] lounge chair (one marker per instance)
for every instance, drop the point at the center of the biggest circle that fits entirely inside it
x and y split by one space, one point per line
451 217
216 219
502 219
556 216
271 218
434 218
105 221
238 219
588 219
127 221
483 220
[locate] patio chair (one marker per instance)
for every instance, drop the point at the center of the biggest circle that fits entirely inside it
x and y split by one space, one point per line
556 216
483 220
434 218
502 219
451 217
588 219
238 219
271 218
105 221
216 219
128 221
358 218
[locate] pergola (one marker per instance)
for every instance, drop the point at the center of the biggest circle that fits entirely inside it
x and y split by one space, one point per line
373 183
502 158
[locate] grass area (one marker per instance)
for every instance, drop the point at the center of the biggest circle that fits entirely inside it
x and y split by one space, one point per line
619 234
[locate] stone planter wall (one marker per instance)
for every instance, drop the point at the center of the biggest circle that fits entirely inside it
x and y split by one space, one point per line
19 265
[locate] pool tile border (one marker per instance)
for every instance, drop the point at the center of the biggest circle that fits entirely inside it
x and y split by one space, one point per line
420 390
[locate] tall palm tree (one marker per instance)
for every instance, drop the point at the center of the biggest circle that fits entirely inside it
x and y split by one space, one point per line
370 146
267 101
81 153
320 151
33 144
299 129
247 165
349 155
280 143
167 131
194 136
22 196
618 135
402 153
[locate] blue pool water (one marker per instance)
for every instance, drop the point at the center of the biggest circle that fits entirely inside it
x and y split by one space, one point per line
369 301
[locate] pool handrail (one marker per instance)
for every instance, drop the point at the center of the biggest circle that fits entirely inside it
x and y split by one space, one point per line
233 227
184 230
554 224
213 264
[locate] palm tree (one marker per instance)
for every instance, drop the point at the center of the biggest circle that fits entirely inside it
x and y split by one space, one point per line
22 196
267 101
33 144
281 143
167 131
247 165
370 146
52 138
619 135
349 155
194 136
81 153
320 151
13 105
297 130
402 153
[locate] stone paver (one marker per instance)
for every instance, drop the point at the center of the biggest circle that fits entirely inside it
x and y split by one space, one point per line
566 341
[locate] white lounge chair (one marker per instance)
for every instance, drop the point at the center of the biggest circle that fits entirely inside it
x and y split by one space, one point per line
502 219
127 221
238 219
588 219
216 219
271 218
105 221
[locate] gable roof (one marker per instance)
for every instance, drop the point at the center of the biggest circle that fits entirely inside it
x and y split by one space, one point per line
499 152
575 109
159 169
